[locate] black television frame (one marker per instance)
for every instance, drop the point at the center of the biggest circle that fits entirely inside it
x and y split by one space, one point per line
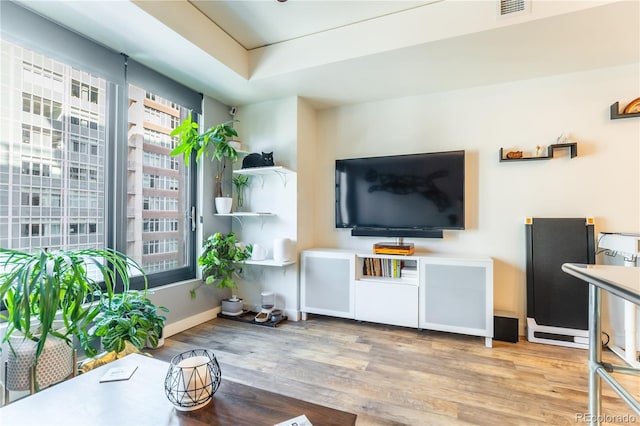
401 232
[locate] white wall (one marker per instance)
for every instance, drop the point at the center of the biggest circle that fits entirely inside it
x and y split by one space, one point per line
306 147
270 127
603 181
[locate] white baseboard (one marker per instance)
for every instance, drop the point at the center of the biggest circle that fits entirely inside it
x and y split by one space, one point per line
192 321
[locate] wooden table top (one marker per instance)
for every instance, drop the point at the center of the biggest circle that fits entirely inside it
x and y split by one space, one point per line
141 400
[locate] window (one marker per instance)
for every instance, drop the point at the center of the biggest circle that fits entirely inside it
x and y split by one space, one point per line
26 102
67 130
26 134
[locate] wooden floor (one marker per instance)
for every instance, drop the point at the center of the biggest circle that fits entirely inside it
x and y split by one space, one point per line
393 375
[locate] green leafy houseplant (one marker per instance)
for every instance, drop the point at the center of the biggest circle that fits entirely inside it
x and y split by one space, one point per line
129 317
222 258
213 143
68 286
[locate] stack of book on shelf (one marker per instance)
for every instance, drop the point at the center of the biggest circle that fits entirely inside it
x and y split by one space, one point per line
378 267
409 272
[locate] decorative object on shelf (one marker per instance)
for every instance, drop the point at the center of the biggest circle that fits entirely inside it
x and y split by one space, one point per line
633 107
255 159
222 258
213 142
240 182
562 139
193 377
631 110
514 154
573 146
39 288
258 252
282 249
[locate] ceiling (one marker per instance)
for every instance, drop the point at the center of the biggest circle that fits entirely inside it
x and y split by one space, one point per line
343 52
256 24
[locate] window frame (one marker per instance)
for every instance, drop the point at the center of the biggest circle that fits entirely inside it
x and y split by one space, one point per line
31 31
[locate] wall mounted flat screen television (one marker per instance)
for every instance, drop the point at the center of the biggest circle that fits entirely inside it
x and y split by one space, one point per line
401 195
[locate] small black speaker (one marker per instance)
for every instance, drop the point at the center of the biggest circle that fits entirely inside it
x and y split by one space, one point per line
505 328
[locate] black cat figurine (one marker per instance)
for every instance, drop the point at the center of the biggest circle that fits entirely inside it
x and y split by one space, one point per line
258 160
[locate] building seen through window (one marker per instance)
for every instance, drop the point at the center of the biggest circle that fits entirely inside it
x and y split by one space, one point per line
56 137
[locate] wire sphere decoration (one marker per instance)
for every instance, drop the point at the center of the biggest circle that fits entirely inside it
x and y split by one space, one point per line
193 377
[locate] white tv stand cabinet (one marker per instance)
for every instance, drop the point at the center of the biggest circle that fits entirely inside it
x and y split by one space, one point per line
445 293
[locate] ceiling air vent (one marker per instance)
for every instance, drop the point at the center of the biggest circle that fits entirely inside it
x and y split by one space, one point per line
513 7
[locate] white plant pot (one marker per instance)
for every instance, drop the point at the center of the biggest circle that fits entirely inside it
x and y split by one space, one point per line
55 363
223 205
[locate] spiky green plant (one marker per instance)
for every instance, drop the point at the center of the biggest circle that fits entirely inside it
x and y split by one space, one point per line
38 288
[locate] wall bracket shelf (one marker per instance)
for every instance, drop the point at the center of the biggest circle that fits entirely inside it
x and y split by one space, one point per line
573 146
282 172
615 112
269 262
239 215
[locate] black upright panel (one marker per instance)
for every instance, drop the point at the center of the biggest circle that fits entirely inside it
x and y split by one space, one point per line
555 298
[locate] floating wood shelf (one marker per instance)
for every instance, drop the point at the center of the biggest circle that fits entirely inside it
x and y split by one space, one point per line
573 146
615 113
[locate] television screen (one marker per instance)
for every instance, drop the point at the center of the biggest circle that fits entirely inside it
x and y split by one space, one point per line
415 191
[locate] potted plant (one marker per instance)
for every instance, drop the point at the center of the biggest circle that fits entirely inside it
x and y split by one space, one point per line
221 260
43 288
129 317
214 143
240 182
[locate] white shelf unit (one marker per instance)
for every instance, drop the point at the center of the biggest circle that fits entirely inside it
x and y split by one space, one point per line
443 293
385 299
